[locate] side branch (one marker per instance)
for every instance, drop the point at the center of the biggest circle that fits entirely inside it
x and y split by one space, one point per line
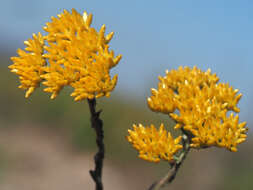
170 176
97 125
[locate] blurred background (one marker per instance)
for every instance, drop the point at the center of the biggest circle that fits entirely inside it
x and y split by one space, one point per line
47 144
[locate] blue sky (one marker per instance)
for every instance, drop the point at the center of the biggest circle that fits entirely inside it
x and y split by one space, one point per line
154 36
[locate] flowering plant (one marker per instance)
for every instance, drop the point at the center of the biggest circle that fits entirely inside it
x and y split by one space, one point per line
76 55
199 105
71 54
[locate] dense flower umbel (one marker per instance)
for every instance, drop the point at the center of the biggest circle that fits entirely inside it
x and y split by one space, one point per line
203 106
154 144
74 54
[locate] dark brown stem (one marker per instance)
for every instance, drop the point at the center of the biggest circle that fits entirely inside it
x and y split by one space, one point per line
97 125
170 176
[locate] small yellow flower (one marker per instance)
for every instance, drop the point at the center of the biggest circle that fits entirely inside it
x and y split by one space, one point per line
76 54
152 144
202 106
29 64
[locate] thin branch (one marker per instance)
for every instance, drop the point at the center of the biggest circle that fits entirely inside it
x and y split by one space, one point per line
97 125
170 176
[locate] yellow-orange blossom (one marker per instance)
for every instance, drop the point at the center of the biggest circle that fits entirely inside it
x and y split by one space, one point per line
154 144
72 53
202 106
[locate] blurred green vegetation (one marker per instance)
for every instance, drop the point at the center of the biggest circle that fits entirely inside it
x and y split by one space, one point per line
72 120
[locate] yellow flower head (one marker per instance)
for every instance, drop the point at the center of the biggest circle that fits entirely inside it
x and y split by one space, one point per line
202 106
154 144
72 53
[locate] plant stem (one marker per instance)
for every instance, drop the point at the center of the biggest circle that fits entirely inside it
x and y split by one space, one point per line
170 176
97 125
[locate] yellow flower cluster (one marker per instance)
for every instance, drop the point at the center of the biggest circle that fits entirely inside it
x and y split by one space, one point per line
200 106
72 53
29 65
154 144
